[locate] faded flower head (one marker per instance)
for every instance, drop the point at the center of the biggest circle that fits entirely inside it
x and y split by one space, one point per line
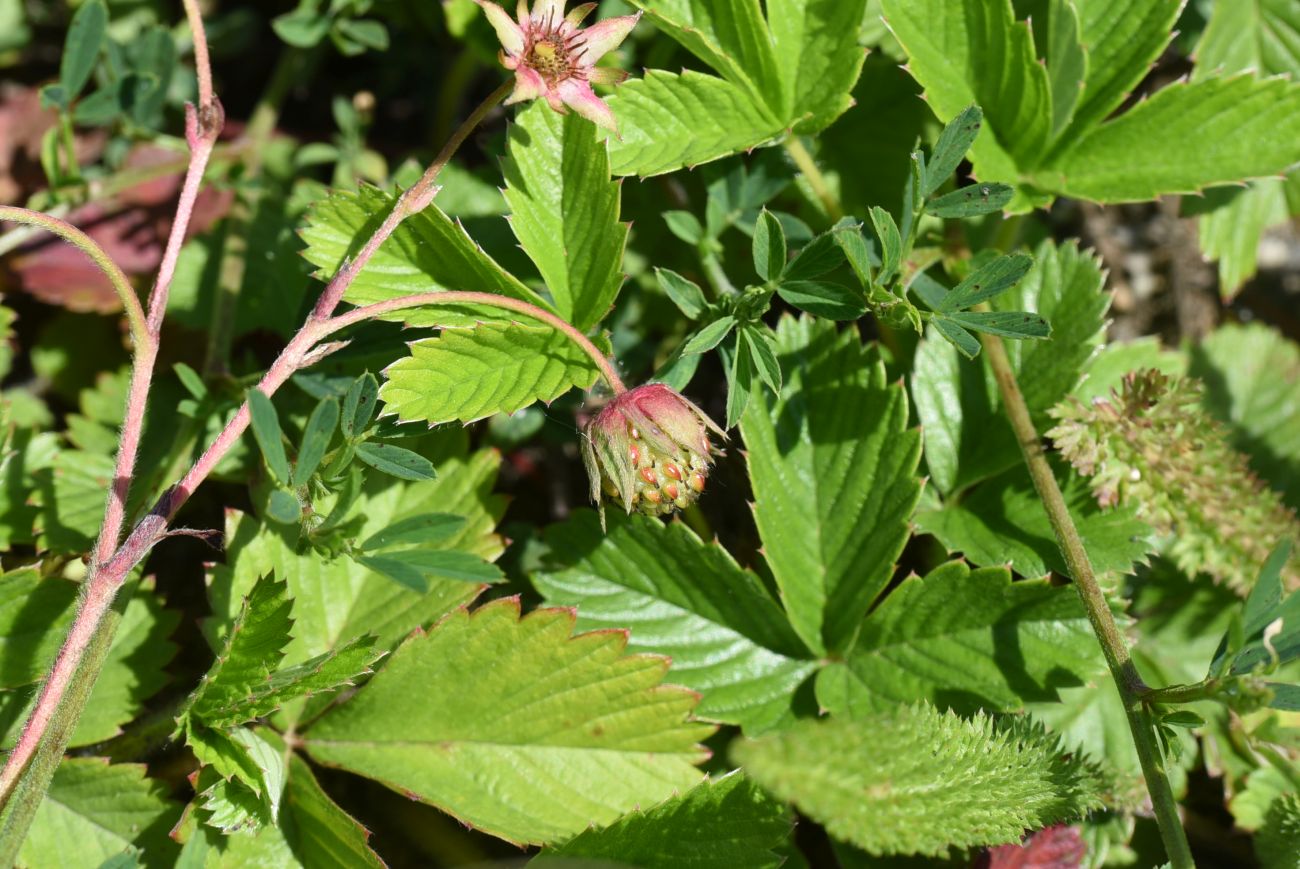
649 448
553 57
1150 444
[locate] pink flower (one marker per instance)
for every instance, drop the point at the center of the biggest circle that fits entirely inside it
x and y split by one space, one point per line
649 448
553 58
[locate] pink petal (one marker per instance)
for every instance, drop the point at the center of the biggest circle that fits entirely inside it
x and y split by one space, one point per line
548 13
510 34
603 37
528 86
578 95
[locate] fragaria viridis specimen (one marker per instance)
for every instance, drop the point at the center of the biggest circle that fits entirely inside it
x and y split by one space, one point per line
553 57
649 449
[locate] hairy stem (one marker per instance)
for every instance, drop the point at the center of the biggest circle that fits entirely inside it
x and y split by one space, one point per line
1182 693
419 300
67 687
31 764
1113 644
816 180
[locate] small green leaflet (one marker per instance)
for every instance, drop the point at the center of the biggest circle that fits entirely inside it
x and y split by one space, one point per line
266 431
971 201
710 336
396 461
986 282
769 246
468 375
686 295
955 140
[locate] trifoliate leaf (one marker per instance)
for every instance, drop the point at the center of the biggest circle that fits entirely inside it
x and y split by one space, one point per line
517 727
967 640
718 824
833 466
468 375
920 781
682 598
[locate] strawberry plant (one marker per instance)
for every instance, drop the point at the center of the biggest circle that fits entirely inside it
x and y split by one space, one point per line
795 433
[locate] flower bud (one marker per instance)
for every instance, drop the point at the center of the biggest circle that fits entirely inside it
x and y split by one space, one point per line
649 449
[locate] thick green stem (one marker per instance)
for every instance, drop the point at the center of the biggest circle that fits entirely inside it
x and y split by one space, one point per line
1113 644
816 180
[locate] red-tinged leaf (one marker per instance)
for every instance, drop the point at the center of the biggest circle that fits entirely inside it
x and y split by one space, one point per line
1058 847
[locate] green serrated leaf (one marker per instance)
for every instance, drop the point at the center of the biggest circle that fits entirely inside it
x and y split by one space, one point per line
1003 522
818 58
72 492
709 336
684 599
1278 842
987 281
918 781
492 369
82 45
945 639
34 616
94 811
1007 324
578 756
971 201
1066 57
953 64
967 437
731 36
428 252
1184 138
565 211
840 429
668 122
315 440
359 405
768 246
267 433
353 599
718 824
252 650
686 294
956 139
1124 38
396 461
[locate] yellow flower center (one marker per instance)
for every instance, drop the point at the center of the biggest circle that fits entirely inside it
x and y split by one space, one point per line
550 59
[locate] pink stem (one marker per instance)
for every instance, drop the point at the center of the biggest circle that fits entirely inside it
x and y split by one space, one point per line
417 300
110 565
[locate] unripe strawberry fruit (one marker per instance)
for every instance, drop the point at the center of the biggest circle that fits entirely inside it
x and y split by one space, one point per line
649 449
